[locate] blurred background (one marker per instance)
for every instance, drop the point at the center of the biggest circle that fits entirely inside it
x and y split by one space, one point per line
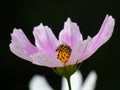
16 73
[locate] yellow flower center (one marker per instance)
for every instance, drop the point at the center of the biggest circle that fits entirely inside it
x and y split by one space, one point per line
64 52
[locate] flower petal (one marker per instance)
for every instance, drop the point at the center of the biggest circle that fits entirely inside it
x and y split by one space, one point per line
90 82
102 36
45 40
70 34
80 49
76 81
46 60
19 51
39 82
20 45
64 84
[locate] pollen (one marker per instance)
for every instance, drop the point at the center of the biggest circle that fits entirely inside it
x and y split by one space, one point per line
64 53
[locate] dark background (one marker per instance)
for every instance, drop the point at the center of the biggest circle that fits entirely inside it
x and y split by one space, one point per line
15 73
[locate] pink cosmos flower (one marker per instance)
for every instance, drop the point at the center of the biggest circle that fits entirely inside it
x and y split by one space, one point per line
68 50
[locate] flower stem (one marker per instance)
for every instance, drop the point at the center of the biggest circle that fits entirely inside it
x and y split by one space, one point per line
68 81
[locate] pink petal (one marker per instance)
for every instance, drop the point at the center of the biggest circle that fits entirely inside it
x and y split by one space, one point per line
45 40
46 60
70 34
105 32
102 36
20 45
19 51
80 49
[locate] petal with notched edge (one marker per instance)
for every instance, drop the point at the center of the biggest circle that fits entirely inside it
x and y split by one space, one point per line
70 35
21 46
102 36
45 40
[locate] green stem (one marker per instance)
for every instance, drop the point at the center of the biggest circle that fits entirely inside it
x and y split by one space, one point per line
69 84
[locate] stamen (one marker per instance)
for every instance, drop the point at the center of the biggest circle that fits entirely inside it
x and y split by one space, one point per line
64 52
